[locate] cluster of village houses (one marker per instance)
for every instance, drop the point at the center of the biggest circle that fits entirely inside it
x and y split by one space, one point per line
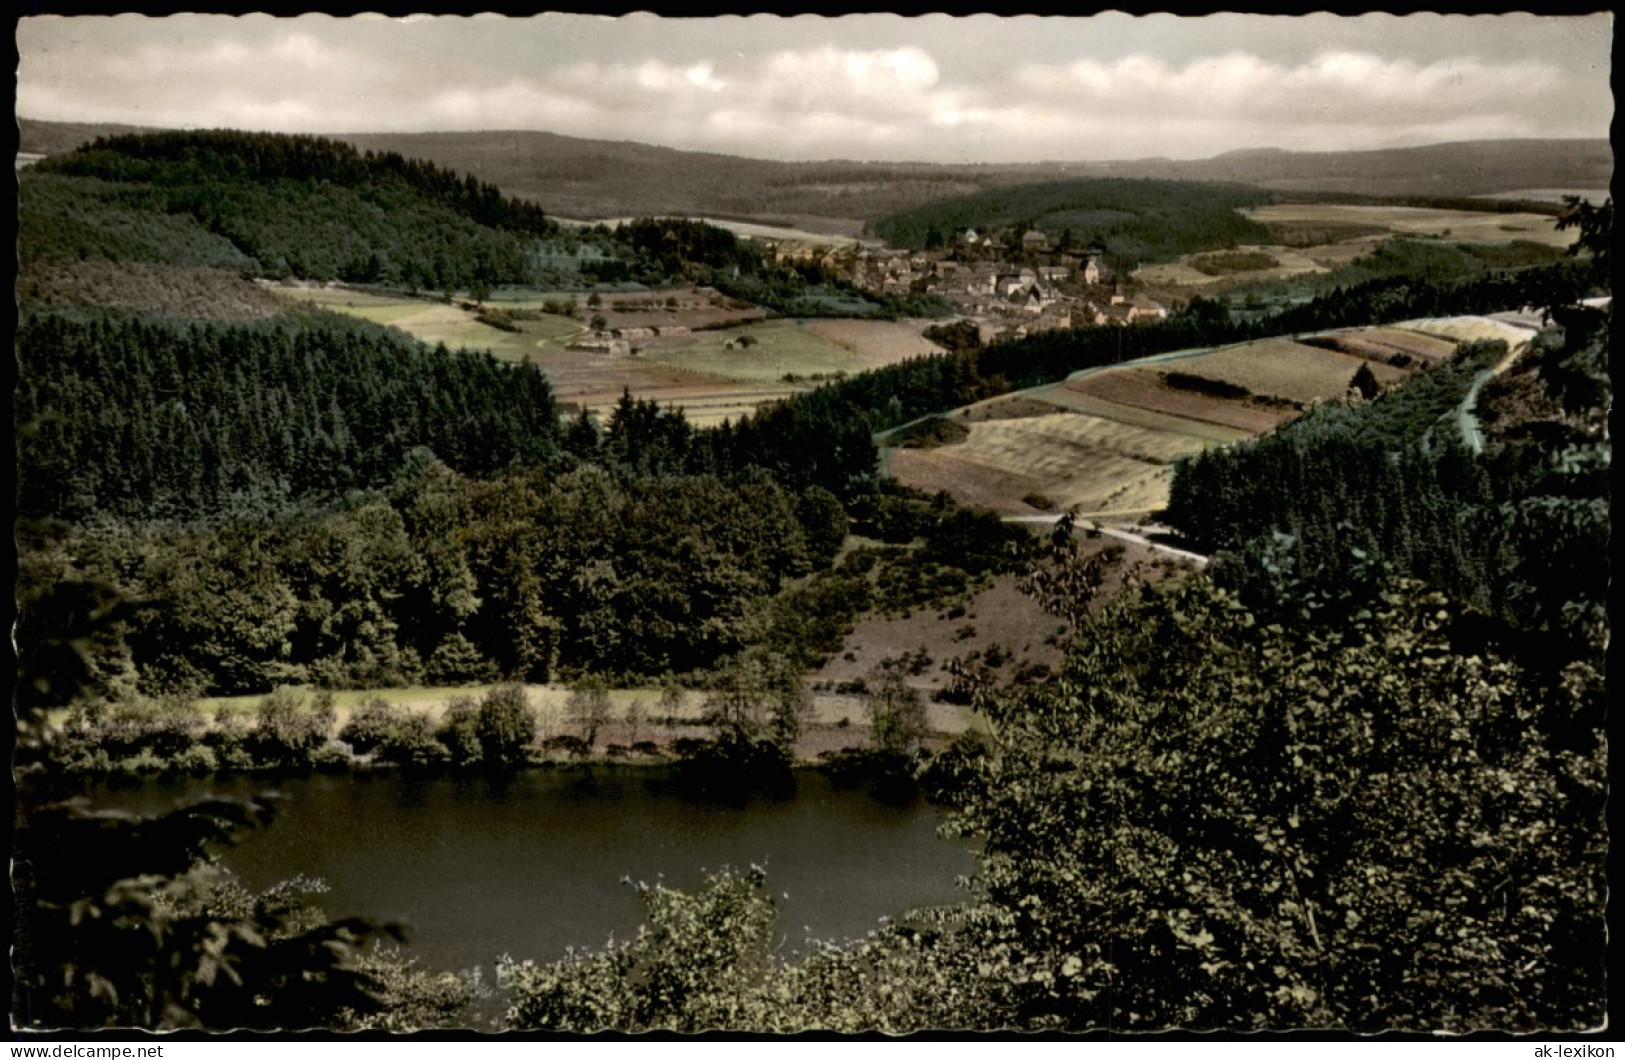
1008 285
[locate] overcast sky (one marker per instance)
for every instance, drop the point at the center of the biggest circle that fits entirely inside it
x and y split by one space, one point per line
881 87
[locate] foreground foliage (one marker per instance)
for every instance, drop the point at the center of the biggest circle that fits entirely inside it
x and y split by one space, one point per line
1205 821
148 933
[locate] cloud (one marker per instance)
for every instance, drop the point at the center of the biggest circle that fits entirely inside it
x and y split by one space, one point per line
822 99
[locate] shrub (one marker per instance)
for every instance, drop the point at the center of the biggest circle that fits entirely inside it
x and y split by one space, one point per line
145 762
411 742
570 745
198 760
370 724
332 757
506 726
287 734
93 761
459 731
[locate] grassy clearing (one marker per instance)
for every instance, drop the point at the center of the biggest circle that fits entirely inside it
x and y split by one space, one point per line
380 309
1226 269
778 348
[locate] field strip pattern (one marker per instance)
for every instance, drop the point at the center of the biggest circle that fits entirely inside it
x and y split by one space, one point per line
1141 388
1075 400
1282 368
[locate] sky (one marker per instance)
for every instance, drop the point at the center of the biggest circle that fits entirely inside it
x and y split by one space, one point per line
874 87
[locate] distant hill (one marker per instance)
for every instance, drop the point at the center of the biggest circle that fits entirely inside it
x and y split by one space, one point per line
1474 167
573 177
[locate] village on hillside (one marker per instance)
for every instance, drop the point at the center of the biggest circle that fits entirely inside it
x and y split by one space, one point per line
1011 281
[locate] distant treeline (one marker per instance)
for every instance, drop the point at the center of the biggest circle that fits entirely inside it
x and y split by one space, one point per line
659 251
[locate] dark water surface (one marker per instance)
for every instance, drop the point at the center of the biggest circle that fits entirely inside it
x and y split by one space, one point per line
477 868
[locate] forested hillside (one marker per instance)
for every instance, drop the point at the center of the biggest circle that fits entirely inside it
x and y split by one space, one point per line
276 206
131 418
1136 221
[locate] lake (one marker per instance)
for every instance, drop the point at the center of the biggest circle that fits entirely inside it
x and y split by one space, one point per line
534 865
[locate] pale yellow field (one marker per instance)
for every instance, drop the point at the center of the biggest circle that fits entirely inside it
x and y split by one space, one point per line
1071 458
1285 369
433 321
876 342
1465 226
1468 329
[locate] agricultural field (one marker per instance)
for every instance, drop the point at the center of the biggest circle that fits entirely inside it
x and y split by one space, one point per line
1288 262
695 372
1470 329
434 321
1389 345
378 308
1058 460
1076 396
1462 226
1143 389
1552 195
876 343
760 353
1103 441
691 308
596 381
1286 370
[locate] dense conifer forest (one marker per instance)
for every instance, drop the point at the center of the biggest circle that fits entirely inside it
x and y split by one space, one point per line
137 418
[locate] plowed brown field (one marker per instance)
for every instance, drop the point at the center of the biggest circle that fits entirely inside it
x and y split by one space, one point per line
1379 344
1142 388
